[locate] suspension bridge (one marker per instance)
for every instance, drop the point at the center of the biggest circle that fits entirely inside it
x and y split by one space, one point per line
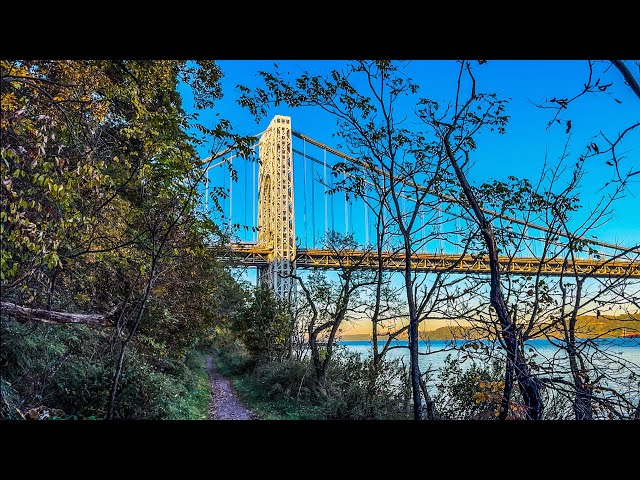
265 229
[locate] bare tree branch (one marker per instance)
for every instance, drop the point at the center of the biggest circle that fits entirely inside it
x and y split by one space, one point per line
628 76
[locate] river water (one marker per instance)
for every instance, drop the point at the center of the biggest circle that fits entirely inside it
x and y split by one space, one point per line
619 356
625 348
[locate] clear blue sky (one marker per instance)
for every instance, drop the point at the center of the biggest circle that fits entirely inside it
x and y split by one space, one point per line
520 152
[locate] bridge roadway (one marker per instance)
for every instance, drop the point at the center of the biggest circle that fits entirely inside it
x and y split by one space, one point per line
256 256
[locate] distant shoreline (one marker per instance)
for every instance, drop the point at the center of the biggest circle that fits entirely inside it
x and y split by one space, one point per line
626 326
367 338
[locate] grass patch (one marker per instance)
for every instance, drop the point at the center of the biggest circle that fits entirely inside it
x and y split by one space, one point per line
199 394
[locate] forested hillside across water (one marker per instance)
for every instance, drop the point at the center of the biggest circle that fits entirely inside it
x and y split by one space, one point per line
100 223
605 326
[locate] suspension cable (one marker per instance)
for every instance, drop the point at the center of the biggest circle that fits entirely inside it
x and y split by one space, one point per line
456 224
229 149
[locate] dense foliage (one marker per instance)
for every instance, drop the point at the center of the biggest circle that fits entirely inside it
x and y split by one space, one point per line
264 326
99 215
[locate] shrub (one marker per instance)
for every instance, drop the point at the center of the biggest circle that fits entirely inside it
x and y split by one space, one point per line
233 353
290 378
358 389
264 326
472 393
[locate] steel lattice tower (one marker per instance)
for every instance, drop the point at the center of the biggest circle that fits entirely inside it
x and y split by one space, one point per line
275 206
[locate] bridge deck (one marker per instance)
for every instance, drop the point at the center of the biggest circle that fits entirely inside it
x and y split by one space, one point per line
256 256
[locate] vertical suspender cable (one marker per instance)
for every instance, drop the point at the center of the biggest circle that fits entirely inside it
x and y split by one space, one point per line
424 244
206 190
458 230
253 201
230 194
304 191
366 223
351 218
440 235
223 181
313 207
245 209
346 205
326 200
333 212
533 242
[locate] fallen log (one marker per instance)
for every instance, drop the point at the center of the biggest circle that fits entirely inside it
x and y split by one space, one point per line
49 316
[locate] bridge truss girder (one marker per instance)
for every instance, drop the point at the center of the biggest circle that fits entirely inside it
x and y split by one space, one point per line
425 262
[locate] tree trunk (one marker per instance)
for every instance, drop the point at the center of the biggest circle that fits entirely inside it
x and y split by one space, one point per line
415 370
582 404
123 346
376 312
508 388
315 357
528 384
413 341
430 411
530 388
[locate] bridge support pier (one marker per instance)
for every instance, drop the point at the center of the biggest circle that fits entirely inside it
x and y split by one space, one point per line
276 225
